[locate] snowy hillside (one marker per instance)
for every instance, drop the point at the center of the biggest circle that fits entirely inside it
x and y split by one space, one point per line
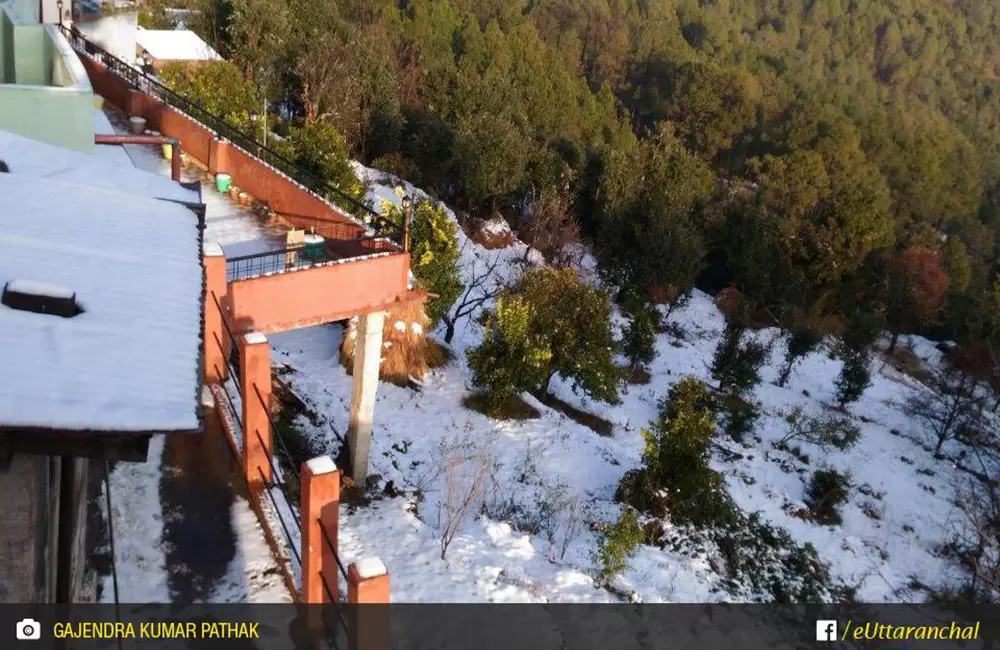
555 478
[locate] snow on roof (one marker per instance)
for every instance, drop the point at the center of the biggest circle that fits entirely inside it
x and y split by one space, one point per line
40 289
175 45
33 158
130 361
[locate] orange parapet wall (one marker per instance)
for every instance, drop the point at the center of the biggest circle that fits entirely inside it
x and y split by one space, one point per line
316 295
281 194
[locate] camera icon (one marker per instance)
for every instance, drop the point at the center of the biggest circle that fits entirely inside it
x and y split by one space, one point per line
28 629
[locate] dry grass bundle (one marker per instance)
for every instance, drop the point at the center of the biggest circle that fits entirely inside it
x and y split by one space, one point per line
404 345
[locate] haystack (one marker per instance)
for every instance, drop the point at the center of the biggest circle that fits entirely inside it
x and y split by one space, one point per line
404 345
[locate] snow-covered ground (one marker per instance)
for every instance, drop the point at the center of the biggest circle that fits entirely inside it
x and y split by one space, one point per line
899 510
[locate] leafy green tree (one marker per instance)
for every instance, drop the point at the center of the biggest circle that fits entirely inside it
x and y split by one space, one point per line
320 149
218 87
492 158
647 236
550 322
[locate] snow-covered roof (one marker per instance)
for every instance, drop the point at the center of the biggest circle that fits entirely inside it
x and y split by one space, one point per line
30 157
175 45
130 361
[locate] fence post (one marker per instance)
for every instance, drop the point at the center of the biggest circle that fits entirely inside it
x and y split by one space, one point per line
214 359
368 584
320 508
255 376
367 359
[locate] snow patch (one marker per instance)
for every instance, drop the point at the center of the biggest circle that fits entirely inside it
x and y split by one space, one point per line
255 338
321 465
30 287
370 567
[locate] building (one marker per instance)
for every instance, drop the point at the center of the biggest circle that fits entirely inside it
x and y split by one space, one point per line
159 47
119 317
79 337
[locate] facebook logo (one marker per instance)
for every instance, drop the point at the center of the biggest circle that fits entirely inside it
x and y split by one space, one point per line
826 630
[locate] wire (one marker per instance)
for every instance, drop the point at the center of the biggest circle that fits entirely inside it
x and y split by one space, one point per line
111 537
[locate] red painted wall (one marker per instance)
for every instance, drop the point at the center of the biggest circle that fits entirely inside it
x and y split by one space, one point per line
265 184
313 296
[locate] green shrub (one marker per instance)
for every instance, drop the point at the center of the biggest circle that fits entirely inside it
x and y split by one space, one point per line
854 378
826 491
322 150
736 364
434 255
676 475
616 544
639 339
738 416
763 564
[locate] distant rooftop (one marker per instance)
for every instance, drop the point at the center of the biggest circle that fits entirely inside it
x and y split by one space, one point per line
40 160
129 361
175 45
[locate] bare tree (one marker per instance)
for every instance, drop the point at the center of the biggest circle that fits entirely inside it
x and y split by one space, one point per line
976 545
483 285
465 475
950 407
571 524
551 229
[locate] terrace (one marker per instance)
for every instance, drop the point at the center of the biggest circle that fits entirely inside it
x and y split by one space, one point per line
44 90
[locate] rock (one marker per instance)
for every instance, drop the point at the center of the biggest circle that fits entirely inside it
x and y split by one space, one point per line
491 233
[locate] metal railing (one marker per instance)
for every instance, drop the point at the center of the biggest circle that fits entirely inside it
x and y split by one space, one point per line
151 85
231 364
302 256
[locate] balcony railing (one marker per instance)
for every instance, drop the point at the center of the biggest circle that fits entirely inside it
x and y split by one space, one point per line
140 80
305 256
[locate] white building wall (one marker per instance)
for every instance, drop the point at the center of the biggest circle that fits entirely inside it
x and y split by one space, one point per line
116 34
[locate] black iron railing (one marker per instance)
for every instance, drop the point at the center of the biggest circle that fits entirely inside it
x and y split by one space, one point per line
303 256
151 85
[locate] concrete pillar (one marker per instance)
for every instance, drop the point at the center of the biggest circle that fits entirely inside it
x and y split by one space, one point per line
214 261
368 584
367 358
218 156
320 508
255 377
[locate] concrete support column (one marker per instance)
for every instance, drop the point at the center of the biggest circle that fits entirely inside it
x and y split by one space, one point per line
367 358
255 386
215 336
368 584
218 156
320 507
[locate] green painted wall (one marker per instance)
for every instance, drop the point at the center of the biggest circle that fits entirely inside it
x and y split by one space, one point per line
32 56
59 116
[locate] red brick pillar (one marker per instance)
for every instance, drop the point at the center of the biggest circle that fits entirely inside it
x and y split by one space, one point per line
255 377
320 507
214 261
218 156
368 600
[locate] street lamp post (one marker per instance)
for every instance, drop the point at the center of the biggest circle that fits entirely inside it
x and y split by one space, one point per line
407 218
59 8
